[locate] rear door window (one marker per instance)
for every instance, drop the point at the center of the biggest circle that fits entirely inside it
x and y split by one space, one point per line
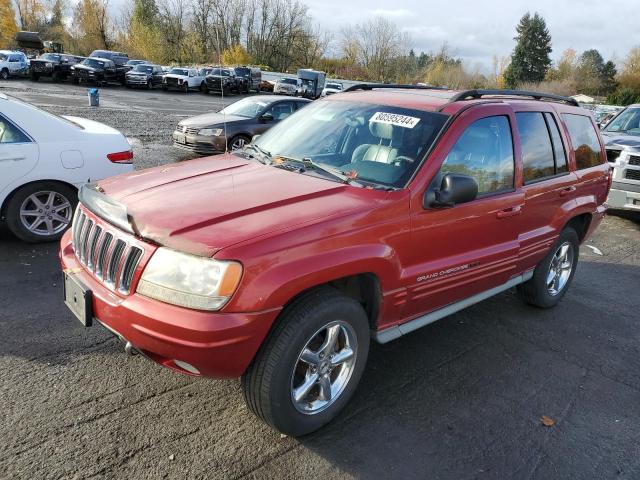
584 139
537 151
559 152
484 152
9 133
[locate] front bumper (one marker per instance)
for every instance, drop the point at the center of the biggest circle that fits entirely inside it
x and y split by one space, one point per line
624 197
217 344
199 143
136 80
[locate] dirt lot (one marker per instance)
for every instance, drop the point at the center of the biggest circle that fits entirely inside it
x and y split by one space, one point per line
459 399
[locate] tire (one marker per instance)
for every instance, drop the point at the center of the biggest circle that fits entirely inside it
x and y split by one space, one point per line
165 88
35 77
23 199
202 86
205 89
186 88
239 141
4 74
543 290
75 81
149 85
276 372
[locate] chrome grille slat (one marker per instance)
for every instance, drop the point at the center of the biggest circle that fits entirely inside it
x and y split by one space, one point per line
93 244
102 255
112 260
84 240
128 269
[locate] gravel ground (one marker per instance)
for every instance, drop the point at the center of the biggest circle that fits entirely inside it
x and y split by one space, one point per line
459 399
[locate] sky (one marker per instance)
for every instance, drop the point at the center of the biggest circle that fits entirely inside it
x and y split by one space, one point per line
477 30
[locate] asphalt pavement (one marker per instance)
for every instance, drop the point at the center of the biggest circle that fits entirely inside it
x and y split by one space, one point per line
462 398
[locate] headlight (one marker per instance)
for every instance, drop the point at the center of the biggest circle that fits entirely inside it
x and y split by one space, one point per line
208 132
189 281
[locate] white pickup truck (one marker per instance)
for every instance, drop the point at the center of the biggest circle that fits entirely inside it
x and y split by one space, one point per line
184 79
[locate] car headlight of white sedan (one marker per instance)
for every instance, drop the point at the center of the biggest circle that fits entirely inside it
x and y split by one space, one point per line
188 280
210 132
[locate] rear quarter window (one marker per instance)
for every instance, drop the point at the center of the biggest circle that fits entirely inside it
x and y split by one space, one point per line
584 139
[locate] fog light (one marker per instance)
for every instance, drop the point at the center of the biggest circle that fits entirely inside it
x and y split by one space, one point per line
187 366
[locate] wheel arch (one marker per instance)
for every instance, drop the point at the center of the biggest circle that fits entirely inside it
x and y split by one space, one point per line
10 195
580 222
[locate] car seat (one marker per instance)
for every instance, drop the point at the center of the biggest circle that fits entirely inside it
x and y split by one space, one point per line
377 152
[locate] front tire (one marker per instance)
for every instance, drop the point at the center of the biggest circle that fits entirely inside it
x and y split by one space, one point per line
553 275
35 77
4 74
310 364
239 141
185 88
41 212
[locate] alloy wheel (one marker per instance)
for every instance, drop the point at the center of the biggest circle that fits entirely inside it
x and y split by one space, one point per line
560 268
324 367
46 213
238 143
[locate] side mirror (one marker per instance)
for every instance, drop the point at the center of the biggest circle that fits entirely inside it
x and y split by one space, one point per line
266 117
454 188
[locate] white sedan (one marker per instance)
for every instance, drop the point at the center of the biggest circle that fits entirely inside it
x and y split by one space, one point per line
44 159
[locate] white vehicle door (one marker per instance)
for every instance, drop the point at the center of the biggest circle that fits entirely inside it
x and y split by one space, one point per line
16 64
18 153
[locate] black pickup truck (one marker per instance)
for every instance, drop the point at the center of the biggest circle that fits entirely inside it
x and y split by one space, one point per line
97 70
54 65
108 67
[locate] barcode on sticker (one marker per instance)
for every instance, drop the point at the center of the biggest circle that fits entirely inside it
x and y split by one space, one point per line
395 119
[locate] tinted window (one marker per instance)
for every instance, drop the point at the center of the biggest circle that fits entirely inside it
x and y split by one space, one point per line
537 151
559 153
626 122
584 139
281 110
485 152
9 133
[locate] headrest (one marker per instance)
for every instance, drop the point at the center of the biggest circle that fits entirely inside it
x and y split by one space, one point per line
381 130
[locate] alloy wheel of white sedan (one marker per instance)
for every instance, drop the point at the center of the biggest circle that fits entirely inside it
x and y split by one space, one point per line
46 213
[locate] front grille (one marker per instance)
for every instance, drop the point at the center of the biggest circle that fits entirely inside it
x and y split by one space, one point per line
171 81
189 130
634 160
612 155
632 174
112 260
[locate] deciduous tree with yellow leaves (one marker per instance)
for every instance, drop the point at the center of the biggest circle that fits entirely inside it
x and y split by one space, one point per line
8 26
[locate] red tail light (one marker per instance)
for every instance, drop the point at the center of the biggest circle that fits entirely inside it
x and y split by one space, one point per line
121 157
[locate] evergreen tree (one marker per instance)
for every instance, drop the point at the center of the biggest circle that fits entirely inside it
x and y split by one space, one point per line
609 83
530 60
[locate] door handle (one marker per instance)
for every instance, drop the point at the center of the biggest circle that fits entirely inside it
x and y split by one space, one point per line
509 212
566 191
12 159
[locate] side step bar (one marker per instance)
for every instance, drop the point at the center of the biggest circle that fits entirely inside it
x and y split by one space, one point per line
392 333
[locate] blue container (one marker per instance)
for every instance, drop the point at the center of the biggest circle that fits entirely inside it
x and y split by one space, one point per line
94 97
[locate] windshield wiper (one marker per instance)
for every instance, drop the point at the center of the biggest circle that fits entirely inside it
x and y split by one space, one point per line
265 157
309 164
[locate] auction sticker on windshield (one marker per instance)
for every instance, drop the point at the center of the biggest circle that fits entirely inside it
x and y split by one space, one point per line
395 119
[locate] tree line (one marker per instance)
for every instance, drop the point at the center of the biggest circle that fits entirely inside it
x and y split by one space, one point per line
280 35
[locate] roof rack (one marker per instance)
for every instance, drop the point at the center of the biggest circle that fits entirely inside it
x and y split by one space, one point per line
371 86
474 94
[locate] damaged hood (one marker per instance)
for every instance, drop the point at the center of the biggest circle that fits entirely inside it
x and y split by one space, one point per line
204 205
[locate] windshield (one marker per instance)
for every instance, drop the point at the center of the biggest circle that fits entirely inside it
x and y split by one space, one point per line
245 72
3 57
247 107
290 81
143 68
378 144
221 71
627 122
92 62
50 56
180 71
335 86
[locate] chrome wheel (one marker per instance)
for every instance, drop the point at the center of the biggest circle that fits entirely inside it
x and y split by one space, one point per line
560 269
46 213
324 367
238 143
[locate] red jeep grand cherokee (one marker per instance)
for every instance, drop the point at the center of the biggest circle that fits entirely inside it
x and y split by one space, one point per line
368 214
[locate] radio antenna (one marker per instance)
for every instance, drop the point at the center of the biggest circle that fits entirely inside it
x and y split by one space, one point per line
224 115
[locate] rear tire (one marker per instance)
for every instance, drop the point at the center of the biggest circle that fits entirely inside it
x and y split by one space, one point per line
299 350
62 203
553 275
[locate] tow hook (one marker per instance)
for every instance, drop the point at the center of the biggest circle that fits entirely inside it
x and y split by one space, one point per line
130 349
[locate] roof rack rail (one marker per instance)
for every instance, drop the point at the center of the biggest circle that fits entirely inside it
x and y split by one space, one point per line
474 94
371 86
